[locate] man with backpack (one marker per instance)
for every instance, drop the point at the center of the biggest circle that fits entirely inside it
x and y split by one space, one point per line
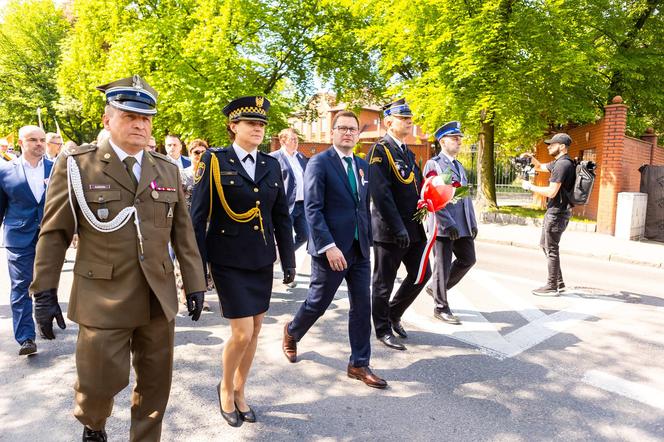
558 213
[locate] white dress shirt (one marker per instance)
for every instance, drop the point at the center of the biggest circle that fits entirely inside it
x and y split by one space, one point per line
122 155
400 143
298 172
35 177
250 164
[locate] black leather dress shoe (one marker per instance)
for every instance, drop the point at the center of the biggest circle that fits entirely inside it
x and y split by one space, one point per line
28 347
391 341
232 418
398 329
446 316
94 436
247 416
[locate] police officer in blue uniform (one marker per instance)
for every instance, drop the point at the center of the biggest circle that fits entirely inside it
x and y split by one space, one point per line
395 181
457 226
239 190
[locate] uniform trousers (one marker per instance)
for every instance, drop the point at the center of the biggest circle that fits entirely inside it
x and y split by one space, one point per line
102 366
324 285
388 257
300 226
20 261
446 273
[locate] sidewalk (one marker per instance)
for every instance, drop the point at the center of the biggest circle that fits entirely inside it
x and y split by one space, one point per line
594 245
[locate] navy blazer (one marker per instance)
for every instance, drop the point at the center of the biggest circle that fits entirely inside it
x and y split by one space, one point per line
461 214
186 162
241 245
331 210
288 175
20 213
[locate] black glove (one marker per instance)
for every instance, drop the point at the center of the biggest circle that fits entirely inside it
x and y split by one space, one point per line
402 239
453 233
195 304
47 309
289 275
474 232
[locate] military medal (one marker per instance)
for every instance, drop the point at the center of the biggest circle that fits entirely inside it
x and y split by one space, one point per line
102 213
155 194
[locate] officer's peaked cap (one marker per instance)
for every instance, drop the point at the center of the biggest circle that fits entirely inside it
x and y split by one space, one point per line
131 94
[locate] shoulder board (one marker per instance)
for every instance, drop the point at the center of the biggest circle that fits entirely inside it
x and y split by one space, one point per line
215 149
78 150
434 158
163 157
265 155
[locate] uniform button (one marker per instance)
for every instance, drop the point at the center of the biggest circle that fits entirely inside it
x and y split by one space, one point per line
101 199
137 200
276 184
255 189
258 203
255 227
232 182
90 274
223 231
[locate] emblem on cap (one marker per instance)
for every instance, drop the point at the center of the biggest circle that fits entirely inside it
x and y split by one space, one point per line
259 101
250 108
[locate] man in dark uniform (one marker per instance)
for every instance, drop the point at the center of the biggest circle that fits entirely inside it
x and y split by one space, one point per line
457 226
395 181
126 205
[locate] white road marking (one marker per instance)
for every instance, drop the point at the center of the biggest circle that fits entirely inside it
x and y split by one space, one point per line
518 304
632 390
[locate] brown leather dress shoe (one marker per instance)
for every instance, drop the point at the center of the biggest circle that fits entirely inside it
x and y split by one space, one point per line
289 345
365 375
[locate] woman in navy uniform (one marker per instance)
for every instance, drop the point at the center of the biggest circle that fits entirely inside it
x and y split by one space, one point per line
239 191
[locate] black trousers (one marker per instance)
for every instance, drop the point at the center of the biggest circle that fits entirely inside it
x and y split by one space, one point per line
388 257
554 225
448 273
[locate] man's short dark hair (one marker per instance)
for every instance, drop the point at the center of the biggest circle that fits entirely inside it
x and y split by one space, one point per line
173 136
342 114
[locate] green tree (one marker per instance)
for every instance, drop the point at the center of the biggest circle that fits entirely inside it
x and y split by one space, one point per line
30 38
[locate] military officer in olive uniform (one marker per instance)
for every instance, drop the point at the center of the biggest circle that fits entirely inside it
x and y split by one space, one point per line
239 190
126 204
395 181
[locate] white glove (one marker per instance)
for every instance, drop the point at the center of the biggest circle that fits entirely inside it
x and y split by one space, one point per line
526 185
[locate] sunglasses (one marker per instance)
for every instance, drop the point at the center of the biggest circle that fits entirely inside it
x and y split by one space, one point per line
198 152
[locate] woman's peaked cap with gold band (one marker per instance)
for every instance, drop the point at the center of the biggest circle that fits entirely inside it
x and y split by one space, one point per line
252 108
131 94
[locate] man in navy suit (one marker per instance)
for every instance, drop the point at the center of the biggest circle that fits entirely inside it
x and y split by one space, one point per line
293 165
457 226
23 183
173 147
336 202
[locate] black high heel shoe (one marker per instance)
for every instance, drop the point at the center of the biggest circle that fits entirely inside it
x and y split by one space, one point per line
232 418
247 416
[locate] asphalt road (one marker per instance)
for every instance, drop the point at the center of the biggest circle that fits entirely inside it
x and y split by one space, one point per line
588 365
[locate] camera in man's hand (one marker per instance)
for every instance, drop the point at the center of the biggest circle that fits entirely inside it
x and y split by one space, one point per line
524 165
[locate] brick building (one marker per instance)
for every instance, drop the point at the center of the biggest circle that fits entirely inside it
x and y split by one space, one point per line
618 159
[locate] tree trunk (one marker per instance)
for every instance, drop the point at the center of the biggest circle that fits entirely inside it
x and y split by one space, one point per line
486 177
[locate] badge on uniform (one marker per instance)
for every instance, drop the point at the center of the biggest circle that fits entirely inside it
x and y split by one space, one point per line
200 171
376 160
102 213
170 212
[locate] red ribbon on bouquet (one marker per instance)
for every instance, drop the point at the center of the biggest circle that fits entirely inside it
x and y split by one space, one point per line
435 195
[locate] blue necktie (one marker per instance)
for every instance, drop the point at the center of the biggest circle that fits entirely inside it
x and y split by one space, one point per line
353 184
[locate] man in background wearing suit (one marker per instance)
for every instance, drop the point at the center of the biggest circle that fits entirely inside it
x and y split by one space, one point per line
173 147
293 165
22 187
457 227
336 201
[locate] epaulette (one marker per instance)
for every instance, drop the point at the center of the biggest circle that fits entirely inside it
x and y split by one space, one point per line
265 155
215 149
163 157
78 150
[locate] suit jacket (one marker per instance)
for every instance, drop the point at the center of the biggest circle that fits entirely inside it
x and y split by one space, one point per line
20 213
460 215
186 162
394 203
112 282
288 175
330 207
237 244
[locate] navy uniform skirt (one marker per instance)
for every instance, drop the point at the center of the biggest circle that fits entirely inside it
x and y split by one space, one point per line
242 293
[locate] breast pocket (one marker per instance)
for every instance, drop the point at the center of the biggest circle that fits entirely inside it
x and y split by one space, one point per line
164 209
104 203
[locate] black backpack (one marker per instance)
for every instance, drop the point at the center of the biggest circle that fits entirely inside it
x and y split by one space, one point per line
583 183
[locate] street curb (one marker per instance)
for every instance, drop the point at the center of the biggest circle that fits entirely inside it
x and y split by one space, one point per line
607 257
